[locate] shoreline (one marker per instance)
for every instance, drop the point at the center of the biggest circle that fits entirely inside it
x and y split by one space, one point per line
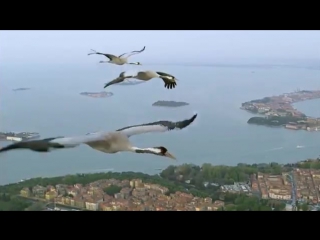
279 111
103 171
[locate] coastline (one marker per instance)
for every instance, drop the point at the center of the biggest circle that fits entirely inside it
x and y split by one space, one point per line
279 111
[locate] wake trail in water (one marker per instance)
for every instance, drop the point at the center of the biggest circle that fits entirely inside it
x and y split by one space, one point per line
274 149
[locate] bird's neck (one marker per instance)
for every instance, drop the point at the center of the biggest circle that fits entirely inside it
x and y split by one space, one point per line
146 150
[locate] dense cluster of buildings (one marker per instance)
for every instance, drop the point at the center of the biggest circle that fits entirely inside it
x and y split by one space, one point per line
272 186
306 186
237 187
282 106
133 196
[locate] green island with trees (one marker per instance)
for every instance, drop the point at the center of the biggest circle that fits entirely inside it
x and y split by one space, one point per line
187 178
274 120
263 100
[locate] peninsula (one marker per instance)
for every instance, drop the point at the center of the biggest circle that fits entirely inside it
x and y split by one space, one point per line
169 104
278 111
188 187
97 94
20 89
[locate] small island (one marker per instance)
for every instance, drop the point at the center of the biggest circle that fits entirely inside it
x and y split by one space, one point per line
97 94
188 187
20 89
169 104
278 111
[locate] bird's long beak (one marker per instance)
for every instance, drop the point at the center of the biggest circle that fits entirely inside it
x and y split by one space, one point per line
169 155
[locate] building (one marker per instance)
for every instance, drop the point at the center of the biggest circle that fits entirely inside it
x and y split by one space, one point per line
39 191
25 192
93 203
50 195
293 127
280 195
79 202
104 206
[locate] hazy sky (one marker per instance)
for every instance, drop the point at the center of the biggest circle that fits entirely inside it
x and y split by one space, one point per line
21 47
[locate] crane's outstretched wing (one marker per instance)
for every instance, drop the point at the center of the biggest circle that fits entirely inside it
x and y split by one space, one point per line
47 144
160 126
110 56
119 79
133 52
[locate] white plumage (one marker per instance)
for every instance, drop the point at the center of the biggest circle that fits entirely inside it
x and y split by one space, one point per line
107 142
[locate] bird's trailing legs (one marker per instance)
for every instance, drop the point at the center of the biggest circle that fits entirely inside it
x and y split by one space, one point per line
94 52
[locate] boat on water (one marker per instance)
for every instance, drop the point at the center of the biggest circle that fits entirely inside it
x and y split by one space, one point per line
22 180
299 146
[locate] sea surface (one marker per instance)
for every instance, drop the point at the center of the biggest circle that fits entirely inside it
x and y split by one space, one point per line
220 135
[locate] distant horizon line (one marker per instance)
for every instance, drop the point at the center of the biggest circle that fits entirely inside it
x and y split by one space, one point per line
315 64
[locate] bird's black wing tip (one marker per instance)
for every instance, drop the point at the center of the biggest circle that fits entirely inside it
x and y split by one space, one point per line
3 149
194 117
10 147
